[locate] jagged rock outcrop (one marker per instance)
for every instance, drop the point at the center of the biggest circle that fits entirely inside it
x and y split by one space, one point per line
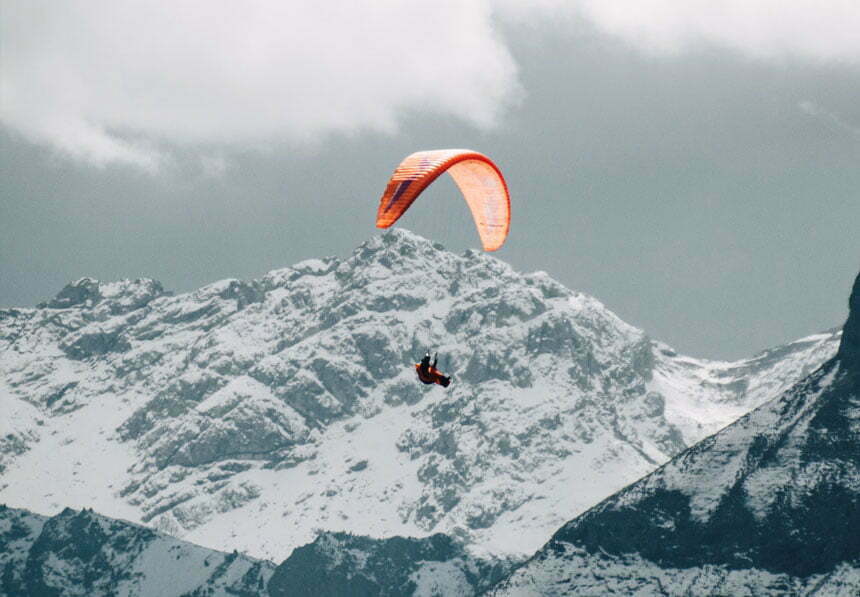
768 506
849 347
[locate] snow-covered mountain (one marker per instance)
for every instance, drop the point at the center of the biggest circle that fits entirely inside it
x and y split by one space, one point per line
768 506
84 554
253 415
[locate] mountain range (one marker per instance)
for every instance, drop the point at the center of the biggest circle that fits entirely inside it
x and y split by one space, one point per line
258 416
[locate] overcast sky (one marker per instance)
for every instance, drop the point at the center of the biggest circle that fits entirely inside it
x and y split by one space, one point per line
695 165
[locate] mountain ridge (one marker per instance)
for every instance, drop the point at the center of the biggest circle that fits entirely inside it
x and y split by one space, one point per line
213 413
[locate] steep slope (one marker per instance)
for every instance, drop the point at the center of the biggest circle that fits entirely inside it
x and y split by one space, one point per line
768 506
82 553
252 415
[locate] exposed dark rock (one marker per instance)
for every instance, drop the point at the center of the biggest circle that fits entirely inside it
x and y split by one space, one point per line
343 565
90 344
358 466
82 292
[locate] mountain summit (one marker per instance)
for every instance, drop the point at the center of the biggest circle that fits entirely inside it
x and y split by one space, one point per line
252 415
768 506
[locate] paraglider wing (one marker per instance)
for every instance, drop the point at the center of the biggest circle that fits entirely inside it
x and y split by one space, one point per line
478 178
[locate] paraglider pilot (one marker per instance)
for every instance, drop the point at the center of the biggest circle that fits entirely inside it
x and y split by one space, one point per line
425 363
429 374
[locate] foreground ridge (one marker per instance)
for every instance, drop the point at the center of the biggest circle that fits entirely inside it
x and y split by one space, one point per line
81 553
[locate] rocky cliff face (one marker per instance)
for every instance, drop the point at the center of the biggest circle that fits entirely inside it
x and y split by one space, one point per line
768 506
849 347
82 553
253 415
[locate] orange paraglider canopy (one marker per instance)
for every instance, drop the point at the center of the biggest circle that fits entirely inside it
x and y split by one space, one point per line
478 178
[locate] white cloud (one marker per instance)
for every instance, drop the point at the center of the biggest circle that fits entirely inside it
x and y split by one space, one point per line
123 80
827 30
97 78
